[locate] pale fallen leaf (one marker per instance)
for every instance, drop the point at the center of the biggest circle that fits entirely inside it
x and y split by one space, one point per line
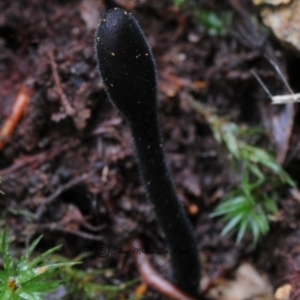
248 284
89 12
283 292
284 20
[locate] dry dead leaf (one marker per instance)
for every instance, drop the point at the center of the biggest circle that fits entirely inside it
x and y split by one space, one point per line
248 284
83 113
284 20
72 219
283 292
282 124
89 11
192 185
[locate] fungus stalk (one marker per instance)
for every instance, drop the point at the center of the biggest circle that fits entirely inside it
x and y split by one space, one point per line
127 67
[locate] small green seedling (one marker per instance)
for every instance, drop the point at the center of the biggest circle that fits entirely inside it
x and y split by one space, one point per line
250 206
214 23
27 279
84 284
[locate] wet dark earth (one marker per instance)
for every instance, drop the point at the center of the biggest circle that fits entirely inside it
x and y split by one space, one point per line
68 166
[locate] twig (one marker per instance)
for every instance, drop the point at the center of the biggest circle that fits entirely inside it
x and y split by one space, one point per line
280 73
65 102
55 226
153 279
34 159
11 123
91 227
106 126
283 99
59 191
278 99
261 83
239 8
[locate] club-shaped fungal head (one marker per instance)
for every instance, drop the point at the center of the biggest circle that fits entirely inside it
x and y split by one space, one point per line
126 65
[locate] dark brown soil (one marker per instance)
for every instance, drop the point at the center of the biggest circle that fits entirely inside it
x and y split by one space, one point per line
76 172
